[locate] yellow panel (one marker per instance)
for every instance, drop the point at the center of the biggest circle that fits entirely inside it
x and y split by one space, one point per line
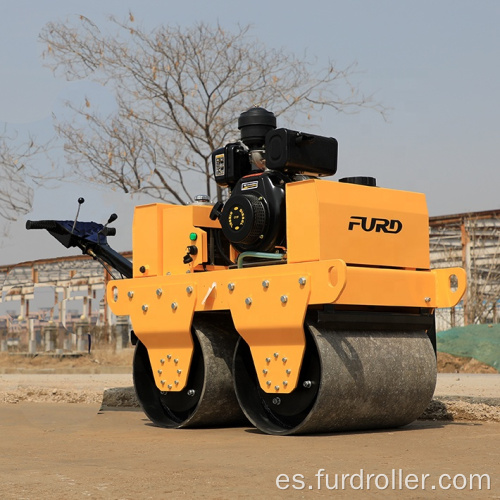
178 224
147 240
358 224
302 222
450 291
269 314
161 317
389 287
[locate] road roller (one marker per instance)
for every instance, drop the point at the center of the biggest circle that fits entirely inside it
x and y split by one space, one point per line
302 303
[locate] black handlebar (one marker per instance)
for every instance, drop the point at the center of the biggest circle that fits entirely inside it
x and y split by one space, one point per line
41 224
89 237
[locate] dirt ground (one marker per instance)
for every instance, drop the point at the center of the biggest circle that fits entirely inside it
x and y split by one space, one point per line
69 451
81 449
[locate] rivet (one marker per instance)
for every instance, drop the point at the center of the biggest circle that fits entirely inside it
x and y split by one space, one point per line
179 371
302 281
169 386
145 307
277 387
288 372
265 283
230 286
130 294
159 291
268 360
284 299
176 360
160 371
169 356
276 354
248 301
174 306
307 384
264 371
285 382
162 382
284 360
191 392
268 382
189 289
176 382
162 361
427 299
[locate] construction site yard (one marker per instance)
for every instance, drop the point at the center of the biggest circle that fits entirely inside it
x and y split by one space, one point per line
96 442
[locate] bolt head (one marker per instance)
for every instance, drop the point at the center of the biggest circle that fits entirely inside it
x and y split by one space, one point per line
145 307
189 289
169 386
230 286
248 301
268 382
162 382
277 387
284 360
160 371
159 291
174 306
179 371
264 371
191 392
302 281
130 294
265 283
162 361
176 360
276 354
427 299
284 299
288 372
169 356
268 360
176 382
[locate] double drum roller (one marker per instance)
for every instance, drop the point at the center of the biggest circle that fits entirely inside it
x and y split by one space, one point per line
302 304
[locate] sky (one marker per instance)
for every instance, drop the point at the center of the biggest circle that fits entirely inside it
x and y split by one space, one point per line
434 63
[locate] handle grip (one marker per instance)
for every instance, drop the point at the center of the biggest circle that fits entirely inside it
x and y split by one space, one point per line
41 224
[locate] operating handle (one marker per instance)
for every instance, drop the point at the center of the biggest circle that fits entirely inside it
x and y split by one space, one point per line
41 224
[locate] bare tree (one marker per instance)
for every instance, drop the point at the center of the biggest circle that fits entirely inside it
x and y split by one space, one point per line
23 162
16 195
178 94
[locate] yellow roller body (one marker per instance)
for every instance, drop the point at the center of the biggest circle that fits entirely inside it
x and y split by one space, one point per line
347 245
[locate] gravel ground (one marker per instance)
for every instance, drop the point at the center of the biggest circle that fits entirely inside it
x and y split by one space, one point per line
473 397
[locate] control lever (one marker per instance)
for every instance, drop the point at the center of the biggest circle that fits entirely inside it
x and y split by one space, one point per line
216 211
80 202
191 250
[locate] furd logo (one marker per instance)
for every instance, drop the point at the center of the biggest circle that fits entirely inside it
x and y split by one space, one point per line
375 224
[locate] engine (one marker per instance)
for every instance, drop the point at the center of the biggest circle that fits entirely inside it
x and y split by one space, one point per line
256 169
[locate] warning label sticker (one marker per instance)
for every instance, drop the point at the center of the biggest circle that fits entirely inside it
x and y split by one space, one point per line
245 186
219 166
